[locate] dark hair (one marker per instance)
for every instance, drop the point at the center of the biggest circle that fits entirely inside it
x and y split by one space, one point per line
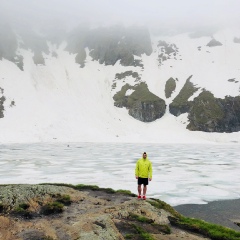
144 153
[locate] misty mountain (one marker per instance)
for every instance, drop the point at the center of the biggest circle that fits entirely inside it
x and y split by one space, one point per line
71 78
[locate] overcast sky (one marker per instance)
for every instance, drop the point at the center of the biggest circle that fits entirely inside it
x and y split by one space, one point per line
142 12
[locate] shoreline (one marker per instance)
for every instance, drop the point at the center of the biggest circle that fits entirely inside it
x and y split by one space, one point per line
222 212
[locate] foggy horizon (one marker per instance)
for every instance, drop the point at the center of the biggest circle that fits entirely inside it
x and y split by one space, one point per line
185 14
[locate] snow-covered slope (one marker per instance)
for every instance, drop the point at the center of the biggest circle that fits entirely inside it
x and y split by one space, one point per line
61 101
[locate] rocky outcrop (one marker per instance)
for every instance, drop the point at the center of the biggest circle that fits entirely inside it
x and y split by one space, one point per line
180 104
109 45
2 100
214 43
141 104
170 87
205 112
93 213
166 51
210 114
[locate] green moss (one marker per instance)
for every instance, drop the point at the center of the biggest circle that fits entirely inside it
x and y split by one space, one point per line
144 235
24 206
180 103
140 218
170 87
205 112
129 236
120 98
142 94
52 208
186 92
22 210
126 192
89 187
64 199
213 231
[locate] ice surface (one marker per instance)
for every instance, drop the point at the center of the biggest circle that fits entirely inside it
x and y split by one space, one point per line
182 173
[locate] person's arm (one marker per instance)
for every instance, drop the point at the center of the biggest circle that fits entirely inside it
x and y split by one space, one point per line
136 170
150 171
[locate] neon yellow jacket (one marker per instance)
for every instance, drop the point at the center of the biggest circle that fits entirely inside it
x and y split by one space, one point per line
143 168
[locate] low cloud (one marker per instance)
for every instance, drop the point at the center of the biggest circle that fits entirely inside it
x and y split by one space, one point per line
172 13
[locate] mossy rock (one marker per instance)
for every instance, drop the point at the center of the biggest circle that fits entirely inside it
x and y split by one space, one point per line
2 100
170 87
52 208
210 114
180 103
64 199
141 104
120 98
22 211
108 45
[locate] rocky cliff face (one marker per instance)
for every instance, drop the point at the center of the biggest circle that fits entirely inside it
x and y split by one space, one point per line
141 103
139 65
108 45
48 212
210 114
207 113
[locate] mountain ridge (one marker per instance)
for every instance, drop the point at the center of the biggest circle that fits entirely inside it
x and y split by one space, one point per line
60 76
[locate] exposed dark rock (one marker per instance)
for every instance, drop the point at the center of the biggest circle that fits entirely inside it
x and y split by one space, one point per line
108 45
214 43
117 43
2 100
168 51
170 87
142 104
210 114
180 104
123 75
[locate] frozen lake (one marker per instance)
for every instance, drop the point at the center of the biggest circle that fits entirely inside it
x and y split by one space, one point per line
181 173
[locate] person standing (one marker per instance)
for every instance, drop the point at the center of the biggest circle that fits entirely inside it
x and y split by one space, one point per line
143 173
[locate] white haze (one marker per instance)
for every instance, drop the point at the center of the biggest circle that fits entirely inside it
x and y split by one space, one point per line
155 13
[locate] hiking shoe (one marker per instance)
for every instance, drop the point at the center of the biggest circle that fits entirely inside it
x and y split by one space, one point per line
144 197
139 197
